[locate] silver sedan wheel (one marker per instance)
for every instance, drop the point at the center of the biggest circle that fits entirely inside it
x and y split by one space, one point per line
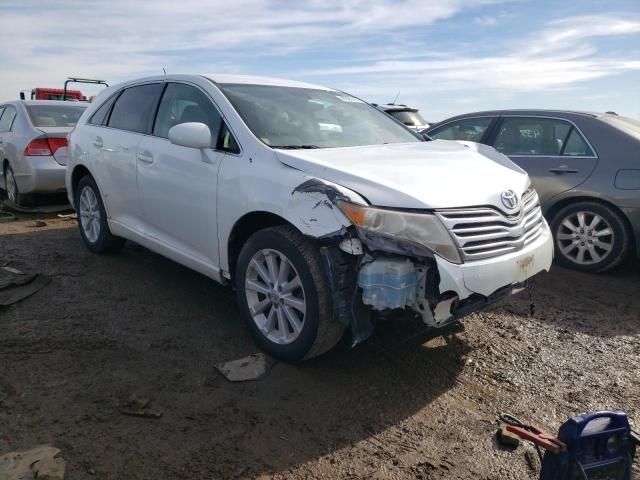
585 238
89 212
10 186
275 296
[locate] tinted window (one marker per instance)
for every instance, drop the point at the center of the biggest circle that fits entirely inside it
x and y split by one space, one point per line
470 129
8 116
100 115
227 142
576 145
54 115
532 136
134 108
292 117
184 103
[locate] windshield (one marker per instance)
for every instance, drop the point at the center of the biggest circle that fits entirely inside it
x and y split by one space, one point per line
408 117
627 125
289 117
55 115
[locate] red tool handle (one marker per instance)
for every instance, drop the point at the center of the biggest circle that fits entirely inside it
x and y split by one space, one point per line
539 437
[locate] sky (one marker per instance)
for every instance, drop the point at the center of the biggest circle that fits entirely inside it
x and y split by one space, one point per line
444 57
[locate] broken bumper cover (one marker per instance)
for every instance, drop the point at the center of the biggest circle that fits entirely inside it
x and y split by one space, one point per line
441 291
485 277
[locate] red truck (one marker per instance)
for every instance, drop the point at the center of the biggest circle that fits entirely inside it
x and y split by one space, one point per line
62 93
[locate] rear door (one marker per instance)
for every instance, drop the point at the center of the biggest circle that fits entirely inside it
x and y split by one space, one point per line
116 144
7 147
178 185
553 151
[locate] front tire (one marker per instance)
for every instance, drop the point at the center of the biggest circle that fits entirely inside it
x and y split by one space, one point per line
92 218
284 296
590 236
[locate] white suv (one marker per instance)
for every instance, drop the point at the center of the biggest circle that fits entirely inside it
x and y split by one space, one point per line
318 208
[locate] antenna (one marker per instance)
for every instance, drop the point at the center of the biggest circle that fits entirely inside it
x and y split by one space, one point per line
396 99
165 72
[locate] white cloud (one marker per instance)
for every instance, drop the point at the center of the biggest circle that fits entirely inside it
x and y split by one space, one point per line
121 39
555 57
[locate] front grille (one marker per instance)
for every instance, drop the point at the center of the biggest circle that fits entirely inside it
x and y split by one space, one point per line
486 232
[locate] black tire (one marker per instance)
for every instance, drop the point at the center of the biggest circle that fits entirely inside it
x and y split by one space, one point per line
619 241
105 241
20 199
320 331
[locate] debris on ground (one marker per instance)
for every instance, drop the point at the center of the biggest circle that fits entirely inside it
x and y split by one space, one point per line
68 216
43 462
8 205
506 438
6 216
251 367
16 285
39 223
137 406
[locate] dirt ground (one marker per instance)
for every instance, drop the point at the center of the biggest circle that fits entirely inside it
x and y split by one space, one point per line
399 406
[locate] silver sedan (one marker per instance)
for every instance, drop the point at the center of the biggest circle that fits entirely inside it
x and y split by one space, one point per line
33 146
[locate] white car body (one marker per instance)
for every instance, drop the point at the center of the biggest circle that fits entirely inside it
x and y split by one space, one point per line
191 204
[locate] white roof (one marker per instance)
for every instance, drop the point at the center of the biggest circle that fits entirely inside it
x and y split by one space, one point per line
257 80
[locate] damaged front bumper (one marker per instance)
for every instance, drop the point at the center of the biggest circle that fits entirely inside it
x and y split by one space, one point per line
437 290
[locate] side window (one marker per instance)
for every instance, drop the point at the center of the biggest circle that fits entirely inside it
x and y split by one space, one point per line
8 116
100 115
134 108
227 142
470 129
576 145
532 136
184 103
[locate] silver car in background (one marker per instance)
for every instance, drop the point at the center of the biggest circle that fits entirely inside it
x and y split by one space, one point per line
33 146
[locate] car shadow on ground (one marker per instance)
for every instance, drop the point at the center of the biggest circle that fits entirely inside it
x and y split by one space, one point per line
109 326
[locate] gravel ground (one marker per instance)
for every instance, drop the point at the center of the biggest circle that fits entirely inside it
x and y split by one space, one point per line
399 406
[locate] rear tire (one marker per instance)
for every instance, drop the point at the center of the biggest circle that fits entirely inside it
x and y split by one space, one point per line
11 187
590 236
92 218
292 324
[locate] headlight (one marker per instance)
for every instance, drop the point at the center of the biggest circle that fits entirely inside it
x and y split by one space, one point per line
418 228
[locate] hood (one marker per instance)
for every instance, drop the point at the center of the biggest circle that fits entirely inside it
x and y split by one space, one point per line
438 174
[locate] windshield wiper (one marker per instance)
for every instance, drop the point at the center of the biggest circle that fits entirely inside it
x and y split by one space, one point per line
294 147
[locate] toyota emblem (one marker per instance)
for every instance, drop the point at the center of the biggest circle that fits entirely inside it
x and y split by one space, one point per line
509 199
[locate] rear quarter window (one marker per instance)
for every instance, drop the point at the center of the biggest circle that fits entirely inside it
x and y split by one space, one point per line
54 115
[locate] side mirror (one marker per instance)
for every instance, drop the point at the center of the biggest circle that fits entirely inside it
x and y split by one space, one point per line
191 134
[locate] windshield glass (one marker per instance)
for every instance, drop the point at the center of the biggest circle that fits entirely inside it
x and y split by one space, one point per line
408 117
55 115
291 117
627 125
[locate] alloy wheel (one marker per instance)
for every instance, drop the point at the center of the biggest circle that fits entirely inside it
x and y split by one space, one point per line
585 237
89 212
275 296
10 186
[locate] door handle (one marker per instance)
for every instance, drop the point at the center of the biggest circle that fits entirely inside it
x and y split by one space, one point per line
145 157
561 170
97 142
